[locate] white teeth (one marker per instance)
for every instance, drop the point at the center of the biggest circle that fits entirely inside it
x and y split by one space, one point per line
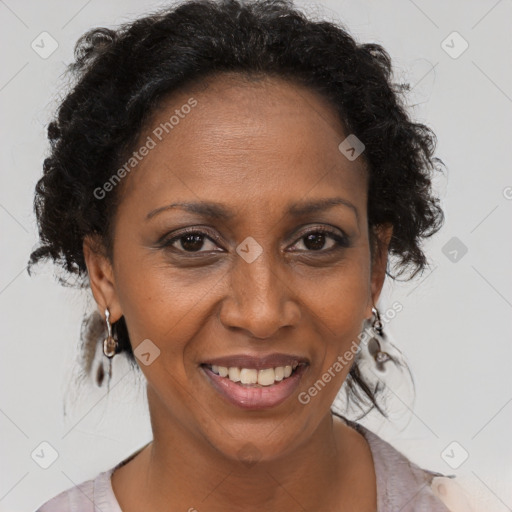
265 377
248 376
234 374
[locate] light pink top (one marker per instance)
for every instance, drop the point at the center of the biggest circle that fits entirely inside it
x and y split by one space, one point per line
401 485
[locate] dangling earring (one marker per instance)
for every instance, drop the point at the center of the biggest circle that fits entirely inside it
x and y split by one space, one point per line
110 348
374 345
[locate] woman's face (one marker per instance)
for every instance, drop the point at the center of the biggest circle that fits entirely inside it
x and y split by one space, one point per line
275 269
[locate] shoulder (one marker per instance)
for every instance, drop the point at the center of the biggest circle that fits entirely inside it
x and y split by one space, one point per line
69 499
91 495
403 485
88 496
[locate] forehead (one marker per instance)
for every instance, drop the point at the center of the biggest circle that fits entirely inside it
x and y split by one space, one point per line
245 140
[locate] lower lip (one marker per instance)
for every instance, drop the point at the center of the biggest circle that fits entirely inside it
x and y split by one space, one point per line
255 397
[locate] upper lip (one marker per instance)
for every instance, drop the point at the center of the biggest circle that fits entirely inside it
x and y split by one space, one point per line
256 362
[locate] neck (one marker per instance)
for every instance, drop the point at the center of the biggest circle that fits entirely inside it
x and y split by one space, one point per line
210 481
182 469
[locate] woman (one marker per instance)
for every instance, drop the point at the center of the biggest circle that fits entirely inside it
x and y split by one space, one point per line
229 179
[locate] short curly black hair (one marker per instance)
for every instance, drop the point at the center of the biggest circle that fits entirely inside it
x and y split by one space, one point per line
121 76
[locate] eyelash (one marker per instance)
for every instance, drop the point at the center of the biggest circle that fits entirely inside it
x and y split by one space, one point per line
342 241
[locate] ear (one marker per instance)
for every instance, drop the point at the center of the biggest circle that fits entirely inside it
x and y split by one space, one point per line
383 234
101 277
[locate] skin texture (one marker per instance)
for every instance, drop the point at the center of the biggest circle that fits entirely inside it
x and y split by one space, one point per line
256 146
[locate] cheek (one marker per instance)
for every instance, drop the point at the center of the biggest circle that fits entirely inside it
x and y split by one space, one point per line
158 304
340 299
157 307
340 306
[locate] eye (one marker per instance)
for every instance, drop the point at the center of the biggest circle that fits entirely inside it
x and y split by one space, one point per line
191 241
316 240
197 241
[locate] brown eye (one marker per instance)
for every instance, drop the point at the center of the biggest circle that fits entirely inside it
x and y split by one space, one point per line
314 241
190 242
317 240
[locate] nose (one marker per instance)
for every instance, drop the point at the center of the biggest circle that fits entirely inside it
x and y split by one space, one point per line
261 299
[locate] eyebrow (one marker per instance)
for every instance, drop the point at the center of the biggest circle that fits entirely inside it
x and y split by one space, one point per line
218 211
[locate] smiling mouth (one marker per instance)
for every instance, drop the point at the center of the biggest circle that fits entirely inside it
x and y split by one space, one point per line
252 377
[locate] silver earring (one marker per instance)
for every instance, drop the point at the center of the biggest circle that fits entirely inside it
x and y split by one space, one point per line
110 348
375 345
110 344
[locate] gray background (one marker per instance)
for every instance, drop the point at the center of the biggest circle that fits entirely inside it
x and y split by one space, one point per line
454 329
